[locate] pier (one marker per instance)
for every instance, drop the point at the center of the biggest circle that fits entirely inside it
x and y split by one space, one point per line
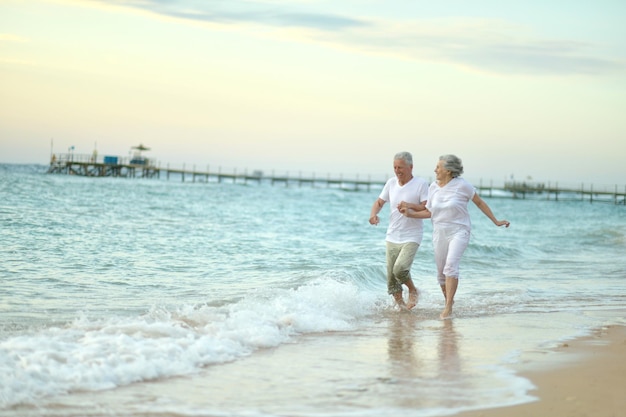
91 166
525 190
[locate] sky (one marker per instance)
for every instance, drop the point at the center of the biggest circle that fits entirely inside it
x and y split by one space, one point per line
532 90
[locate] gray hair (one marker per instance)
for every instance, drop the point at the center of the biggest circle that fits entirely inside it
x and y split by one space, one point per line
405 156
452 163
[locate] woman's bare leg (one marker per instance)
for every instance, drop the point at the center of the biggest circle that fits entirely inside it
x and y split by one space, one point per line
452 284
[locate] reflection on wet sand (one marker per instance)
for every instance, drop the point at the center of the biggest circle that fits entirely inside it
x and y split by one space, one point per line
400 346
448 349
411 347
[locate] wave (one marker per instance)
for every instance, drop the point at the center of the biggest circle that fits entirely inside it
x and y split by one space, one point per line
605 237
92 354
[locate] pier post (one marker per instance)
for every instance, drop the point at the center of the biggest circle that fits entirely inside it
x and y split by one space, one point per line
555 190
582 191
548 193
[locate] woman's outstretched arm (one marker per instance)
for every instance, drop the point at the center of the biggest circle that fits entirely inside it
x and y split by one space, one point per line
484 207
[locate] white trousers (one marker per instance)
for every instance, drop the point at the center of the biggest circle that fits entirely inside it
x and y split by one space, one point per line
449 243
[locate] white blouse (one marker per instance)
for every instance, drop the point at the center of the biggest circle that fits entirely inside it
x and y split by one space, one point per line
448 204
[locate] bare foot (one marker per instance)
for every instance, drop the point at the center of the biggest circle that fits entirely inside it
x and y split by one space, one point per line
402 305
447 312
412 299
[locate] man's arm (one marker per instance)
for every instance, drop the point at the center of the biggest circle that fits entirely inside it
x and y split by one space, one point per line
376 207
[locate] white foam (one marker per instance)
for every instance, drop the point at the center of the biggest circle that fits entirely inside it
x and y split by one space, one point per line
91 354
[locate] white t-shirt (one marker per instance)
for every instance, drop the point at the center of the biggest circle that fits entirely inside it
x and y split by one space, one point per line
403 229
448 204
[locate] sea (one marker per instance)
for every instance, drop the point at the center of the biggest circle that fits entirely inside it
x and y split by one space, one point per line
158 297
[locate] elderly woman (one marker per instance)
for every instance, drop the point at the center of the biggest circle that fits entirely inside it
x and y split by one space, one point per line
448 198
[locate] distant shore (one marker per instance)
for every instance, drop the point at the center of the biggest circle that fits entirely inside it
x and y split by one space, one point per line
586 380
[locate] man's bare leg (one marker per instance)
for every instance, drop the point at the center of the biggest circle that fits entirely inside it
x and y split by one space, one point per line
399 300
443 290
413 294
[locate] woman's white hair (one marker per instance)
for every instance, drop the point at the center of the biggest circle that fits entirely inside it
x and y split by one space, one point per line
452 163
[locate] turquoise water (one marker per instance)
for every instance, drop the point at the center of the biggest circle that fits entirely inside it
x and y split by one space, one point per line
157 297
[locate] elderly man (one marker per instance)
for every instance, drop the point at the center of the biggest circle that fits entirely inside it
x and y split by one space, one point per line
404 234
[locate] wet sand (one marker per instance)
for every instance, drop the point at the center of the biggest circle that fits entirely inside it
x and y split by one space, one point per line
584 377
401 364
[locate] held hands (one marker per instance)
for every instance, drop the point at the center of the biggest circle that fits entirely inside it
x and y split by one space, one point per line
415 211
403 207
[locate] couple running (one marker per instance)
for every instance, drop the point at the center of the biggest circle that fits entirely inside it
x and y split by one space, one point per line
445 202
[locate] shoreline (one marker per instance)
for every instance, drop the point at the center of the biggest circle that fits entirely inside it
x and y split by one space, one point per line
585 378
377 369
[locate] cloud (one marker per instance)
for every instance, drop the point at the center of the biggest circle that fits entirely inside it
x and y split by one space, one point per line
242 12
536 57
494 46
489 46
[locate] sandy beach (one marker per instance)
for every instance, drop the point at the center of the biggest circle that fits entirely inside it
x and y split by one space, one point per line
584 377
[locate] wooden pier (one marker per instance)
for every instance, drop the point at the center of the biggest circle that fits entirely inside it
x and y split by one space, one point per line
524 190
86 165
89 166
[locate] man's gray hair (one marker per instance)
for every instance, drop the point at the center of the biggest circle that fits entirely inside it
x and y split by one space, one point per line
405 156
452 163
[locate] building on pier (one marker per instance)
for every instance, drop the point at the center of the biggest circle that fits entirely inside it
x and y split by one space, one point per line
88 165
